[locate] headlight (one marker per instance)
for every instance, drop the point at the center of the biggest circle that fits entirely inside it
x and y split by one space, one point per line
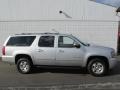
113 54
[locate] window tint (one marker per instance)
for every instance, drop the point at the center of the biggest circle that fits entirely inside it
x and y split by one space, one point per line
21 41
65 41
46 41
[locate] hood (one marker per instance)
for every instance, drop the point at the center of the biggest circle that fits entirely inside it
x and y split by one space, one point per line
101 49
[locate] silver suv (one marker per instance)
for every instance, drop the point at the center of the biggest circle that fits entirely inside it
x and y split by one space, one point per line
54 49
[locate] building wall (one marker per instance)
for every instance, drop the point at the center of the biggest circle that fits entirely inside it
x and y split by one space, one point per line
90 21
49 10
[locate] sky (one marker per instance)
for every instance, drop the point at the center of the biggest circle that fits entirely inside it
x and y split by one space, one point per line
114 3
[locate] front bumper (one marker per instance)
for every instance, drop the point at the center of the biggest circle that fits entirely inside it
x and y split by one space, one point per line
112 63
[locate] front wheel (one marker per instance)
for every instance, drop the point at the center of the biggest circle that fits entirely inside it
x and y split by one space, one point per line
24 65
97 67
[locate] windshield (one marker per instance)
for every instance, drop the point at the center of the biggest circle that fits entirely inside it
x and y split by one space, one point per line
83 43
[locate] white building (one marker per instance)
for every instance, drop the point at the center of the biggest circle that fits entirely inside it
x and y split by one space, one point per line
90 21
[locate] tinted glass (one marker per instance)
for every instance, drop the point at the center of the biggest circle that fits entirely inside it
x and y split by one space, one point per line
21 41
46 41
64 41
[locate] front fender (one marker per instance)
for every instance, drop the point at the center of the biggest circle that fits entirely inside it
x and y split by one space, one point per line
87 56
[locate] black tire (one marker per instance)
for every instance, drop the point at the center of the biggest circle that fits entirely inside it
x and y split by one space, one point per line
97 67
24 65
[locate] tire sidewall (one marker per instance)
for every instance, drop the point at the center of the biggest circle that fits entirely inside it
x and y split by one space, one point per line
100 61
18 65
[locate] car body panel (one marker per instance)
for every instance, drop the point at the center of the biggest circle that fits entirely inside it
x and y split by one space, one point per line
56 55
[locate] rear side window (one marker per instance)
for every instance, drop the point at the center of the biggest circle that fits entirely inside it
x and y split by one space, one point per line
21 41
46 41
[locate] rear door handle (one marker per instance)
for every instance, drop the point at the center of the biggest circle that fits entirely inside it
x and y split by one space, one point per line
62 51
40 50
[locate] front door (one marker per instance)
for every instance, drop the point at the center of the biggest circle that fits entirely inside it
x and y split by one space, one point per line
67 54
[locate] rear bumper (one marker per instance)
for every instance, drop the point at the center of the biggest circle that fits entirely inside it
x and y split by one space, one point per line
8 59
112 63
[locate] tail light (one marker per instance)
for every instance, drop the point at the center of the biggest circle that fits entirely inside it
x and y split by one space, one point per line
3 50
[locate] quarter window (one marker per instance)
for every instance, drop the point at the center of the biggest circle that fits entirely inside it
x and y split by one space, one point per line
21 41
46 41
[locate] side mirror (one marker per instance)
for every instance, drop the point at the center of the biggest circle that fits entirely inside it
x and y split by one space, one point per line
77 45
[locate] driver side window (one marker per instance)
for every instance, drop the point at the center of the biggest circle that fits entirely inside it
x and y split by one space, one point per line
65 42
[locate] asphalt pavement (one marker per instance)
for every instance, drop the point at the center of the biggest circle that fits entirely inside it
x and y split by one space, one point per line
57 79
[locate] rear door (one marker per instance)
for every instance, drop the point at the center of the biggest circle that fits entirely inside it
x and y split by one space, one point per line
45 51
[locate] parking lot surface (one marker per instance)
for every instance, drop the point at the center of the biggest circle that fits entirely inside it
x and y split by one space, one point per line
49 77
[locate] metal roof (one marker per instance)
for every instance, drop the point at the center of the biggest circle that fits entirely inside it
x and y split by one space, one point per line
113 3
118 10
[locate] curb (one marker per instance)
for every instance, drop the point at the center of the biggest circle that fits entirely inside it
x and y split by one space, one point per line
101 86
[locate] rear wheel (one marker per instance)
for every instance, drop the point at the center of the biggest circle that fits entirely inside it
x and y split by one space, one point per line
24 65
97 67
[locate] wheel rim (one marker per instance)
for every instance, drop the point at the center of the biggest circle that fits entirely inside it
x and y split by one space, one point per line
97 68
24 66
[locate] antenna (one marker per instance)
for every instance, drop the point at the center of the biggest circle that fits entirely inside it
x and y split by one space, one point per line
55 31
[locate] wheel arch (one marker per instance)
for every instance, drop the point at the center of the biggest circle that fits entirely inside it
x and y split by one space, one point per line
18 56
105 59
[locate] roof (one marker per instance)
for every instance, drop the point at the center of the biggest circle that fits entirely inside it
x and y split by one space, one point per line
113 3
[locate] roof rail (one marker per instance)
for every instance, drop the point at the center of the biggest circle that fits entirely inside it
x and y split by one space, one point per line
50 33
27 33
35 33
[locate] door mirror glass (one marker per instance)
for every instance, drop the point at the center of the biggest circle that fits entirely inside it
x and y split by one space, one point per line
76 45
